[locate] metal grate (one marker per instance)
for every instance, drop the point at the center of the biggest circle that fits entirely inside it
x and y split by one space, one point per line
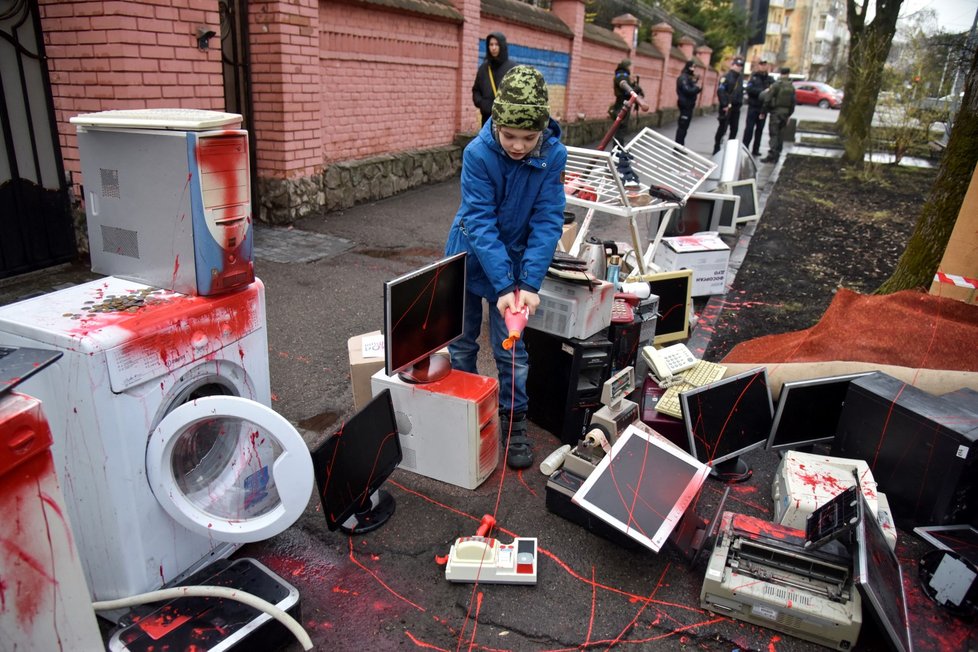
124 242
110 183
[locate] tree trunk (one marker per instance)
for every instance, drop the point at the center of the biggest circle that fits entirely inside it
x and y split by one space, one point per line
926 246
868 48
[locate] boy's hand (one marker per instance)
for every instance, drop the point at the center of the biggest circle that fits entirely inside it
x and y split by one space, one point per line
526 298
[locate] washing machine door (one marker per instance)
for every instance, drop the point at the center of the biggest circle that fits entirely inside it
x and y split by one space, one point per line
229 468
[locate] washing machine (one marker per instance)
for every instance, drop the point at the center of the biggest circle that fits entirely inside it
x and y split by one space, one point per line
165 444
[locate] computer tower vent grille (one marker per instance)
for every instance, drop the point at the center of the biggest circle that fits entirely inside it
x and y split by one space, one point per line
110 183
124 242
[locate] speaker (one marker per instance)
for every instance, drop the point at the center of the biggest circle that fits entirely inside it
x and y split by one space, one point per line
920 448
625 343
563 385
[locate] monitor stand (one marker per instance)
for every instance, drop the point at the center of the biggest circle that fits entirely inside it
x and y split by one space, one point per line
371 517
732 471
427 370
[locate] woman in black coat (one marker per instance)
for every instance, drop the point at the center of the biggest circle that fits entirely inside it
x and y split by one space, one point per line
491 73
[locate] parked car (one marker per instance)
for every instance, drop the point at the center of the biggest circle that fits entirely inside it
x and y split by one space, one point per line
818 93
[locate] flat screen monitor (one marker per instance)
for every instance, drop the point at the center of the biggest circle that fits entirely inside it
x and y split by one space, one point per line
878 575
699 213
962 539
423 313
746 189
728 418
352 465
808 411
675 292
642 487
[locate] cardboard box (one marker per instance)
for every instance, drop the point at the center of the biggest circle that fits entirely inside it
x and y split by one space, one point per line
704 253
365 361
573 309
567 238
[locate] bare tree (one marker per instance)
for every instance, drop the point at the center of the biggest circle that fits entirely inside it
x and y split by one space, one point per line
869 45
926 246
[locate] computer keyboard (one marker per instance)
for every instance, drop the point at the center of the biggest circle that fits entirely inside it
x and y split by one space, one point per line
702 373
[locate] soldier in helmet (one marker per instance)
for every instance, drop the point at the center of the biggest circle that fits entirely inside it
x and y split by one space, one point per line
509 222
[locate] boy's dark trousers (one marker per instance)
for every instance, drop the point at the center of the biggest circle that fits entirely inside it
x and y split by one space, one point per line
729 117
685 117
754 129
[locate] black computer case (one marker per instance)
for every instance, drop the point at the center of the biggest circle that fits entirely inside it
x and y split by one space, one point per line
920 448
564 381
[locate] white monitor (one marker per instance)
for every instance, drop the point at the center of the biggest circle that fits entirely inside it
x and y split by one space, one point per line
746 189
620 385
704 211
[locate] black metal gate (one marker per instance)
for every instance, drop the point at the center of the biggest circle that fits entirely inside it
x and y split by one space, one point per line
235 60
35 214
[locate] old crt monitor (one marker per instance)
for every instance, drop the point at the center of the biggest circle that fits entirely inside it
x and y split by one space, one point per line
728 418
674 290
423 313
746 189
699 213
808 411
352 465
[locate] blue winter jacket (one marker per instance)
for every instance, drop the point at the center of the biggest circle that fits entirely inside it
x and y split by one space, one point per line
512 213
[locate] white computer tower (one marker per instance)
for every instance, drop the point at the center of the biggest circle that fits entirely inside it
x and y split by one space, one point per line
168 198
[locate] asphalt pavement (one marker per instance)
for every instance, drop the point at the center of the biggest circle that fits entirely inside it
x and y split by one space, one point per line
386 590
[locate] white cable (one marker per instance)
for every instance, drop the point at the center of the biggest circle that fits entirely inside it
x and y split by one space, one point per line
212 592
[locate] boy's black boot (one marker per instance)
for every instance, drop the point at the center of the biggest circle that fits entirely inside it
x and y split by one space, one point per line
520 454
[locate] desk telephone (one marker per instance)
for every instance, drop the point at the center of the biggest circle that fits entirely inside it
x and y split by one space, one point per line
622 310
668 361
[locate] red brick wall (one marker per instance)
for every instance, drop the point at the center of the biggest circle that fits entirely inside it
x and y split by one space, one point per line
106 55
286 87
389 81
597 72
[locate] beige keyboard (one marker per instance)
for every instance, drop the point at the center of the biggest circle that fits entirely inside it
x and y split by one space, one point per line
702 373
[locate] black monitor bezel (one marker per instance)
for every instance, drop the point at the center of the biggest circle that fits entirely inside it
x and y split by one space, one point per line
785 395
324 457
689 420
391 341
900 638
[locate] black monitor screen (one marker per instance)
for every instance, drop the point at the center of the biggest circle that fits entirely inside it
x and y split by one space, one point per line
880 579
728 417
355 461
423 312
747 192
808 411
727 215
695 216
674 290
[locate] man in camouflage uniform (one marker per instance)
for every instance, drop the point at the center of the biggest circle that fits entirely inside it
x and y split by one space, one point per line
779 102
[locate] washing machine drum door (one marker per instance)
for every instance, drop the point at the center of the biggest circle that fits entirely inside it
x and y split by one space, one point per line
230 468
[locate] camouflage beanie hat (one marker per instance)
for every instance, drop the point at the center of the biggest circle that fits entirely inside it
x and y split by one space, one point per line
522 101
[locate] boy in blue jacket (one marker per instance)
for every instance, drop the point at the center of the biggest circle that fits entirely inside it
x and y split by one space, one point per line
509 222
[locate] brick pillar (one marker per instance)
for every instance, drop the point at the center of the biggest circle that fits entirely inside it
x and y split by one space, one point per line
686 46
468 119
662 41
286 90
703 53
571 12
662 38
626 26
